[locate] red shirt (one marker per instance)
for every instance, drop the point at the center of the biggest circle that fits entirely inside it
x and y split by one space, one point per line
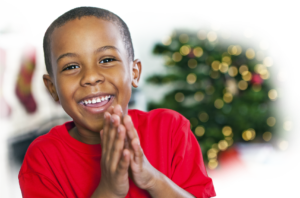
57 165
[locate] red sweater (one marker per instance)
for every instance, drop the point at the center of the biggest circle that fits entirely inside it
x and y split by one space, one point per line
57 165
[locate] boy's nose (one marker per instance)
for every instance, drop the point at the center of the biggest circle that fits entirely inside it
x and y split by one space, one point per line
91 77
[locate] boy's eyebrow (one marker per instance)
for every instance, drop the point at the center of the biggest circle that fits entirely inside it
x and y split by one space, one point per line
100 49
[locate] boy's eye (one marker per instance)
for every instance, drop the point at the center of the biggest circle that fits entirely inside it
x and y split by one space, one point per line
71 67
107 60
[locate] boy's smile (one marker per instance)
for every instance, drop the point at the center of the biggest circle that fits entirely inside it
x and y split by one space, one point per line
91 71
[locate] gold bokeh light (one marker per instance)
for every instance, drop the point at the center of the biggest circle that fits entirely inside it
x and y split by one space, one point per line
273 94
198 51
271 121
192 63
167 41
203 117
247 76
227 130
250 53
219 103
215 65
233 71
212 36
199 131
176 57
199 96
267 136
243 68
223 145
191 78
185 50
227 97
248 134
242 85
201 35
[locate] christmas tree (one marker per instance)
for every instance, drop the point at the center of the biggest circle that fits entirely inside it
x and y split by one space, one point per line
223 88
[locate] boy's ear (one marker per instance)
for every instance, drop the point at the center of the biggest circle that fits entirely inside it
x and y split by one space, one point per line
50 86
136 72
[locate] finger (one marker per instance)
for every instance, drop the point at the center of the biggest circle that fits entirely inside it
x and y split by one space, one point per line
118 111
115 122
123 164
131 132
110 109
105 132
118 146
137 150
101 135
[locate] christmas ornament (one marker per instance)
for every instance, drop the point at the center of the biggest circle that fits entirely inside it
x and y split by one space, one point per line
23 87
256 79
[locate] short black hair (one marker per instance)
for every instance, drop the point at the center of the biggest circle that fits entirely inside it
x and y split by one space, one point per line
77 13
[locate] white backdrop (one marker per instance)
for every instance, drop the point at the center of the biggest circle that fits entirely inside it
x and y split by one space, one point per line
146 30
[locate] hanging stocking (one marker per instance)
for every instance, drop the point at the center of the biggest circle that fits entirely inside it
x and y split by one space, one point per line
5 109
23 87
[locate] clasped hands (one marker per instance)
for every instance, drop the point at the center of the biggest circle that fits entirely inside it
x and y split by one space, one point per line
122 157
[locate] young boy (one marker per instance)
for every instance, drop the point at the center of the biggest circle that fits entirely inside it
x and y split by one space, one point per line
90 61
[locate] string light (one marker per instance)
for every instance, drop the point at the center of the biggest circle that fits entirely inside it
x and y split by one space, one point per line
272 94
227 130
212 36
227 97
198 51
183 38
212 164
215 25
248 33
201 35
199 131
242 85
226 34
176 57
268 61
233 71
199 96
264 45
219 103
283 145
179 97
185 50
248 134
250 53
226 59
223 67
247 76
287 125
267 136
223 145
191 78
212 153
271 121
215 65
243 68
234 50
203 117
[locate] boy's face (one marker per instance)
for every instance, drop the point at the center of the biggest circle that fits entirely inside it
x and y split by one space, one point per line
91 70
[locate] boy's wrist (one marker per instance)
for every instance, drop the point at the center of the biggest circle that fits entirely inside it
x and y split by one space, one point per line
103 192
156 184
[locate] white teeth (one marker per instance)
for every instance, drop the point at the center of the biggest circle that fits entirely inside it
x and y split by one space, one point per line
96 100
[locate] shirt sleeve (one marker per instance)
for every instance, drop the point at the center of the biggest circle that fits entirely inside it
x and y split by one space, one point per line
36 185
188 170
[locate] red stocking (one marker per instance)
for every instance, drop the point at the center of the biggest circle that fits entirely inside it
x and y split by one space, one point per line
5 109
23 87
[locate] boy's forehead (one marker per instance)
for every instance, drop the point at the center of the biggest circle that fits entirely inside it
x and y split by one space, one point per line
84 34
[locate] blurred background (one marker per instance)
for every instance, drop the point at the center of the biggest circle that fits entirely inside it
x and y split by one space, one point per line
231 67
